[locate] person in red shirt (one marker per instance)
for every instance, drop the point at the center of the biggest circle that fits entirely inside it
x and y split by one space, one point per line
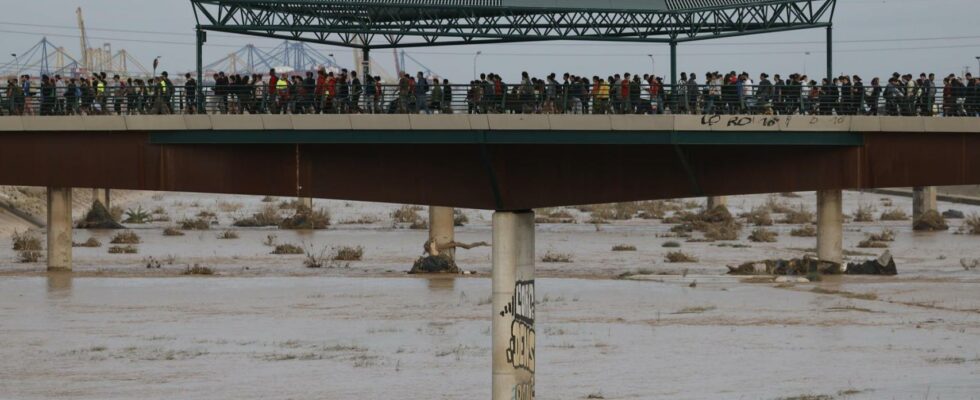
321 89
330 93
270 93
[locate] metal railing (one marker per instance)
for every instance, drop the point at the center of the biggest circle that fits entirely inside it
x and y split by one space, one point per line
496 99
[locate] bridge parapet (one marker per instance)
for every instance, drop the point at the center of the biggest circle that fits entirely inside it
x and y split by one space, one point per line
492 122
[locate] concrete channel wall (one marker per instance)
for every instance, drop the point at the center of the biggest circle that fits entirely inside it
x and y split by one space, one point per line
492 122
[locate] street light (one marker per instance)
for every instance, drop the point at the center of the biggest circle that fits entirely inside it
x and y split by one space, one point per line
16 62
806 60
335 65
978 63
653 65
477 55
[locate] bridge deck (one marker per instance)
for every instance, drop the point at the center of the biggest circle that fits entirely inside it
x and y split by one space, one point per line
504 162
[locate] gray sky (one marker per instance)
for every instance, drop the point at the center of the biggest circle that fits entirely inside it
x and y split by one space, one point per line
875 38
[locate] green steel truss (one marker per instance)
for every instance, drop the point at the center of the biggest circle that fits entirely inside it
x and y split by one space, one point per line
399 24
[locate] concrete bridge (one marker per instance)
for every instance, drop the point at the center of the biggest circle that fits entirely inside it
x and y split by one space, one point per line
507 163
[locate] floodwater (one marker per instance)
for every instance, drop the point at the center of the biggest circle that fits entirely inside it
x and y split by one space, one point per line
379 338
266 327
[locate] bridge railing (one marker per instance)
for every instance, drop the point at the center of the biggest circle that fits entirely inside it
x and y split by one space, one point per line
491 98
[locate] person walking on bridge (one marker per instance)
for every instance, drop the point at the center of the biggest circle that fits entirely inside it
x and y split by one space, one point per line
422 94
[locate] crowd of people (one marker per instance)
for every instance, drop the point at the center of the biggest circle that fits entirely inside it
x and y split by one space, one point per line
343 91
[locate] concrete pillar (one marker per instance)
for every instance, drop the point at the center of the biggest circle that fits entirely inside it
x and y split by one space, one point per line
59 229
441 228
830 225
513 305
307 202
923 200
715 201
102 195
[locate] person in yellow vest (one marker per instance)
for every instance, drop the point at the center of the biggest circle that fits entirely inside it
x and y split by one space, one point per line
100 97
603 97
282 93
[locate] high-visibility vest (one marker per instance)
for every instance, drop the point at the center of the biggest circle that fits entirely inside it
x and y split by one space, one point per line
163 87
281 84
100 87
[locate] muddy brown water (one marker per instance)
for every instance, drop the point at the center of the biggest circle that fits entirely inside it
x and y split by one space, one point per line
266 327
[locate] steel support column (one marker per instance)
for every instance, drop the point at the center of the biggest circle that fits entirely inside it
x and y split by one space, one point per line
201 38
365 64
673 65
830 53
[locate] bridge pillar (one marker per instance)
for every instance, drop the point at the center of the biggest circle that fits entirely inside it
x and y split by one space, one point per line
830 225
102 195
59 229
441 228
306 202
513 305
923 201
715 201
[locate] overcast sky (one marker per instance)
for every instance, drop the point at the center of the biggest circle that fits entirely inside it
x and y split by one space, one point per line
874 38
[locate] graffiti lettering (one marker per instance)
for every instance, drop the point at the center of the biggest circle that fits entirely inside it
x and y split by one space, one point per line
770 121
520 351
710 119
523 391
739 121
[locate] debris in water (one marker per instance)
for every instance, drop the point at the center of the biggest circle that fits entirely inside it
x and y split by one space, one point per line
884 265
953 214
98 217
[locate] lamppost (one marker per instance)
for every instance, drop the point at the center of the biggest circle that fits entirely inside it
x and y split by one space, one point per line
156 63
16 63
475 56
653 65
806 60
335 65
978 63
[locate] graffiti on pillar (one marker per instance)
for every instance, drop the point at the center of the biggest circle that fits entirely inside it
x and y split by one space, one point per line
520 351
523 391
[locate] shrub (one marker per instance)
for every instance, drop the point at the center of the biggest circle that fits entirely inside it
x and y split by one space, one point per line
228 234
127 249
550 257
886 235
270 199
91 242
116 213
287 248
774 205
759 216
406 214
930 221
137 216
362 220
268 215
419 224
872 244
348 253
679 257
671 244
198 224
762 235
294 204
655 209
126 237
28 256
307 219
198 269
172 231
624 247
800 215
26 241
805 231
973 223
460 219
864 213
315 259
894 214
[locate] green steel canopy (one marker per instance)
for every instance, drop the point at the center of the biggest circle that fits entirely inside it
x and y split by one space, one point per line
378 24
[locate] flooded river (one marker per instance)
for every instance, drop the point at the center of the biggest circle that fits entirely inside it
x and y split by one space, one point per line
382 338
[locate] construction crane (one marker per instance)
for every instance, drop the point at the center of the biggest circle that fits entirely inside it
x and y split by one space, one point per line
83 38
427 71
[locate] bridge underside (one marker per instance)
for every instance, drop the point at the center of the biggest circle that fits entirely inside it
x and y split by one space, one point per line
511 176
